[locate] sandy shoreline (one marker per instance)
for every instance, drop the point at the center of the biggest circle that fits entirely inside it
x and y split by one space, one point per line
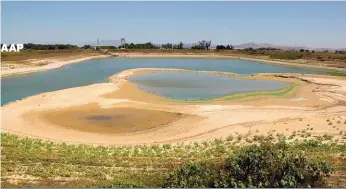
315 99
59 64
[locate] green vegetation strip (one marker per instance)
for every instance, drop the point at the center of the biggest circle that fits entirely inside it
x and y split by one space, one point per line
333 73
274 93
27 162
280 92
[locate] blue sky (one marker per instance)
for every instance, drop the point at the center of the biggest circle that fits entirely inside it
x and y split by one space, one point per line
312 24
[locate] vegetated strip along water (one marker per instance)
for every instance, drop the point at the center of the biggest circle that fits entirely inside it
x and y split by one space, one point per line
200 86
97 71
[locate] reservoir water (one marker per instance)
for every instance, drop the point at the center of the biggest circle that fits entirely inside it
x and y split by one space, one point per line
97 71
199 86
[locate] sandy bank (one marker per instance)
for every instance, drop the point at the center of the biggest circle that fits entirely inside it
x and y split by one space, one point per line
55 64
316 99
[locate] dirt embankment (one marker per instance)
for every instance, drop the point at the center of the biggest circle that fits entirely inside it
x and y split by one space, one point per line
15 63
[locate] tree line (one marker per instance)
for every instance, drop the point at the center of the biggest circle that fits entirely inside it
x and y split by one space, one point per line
222 47
172 46
147 45
49 47
150 45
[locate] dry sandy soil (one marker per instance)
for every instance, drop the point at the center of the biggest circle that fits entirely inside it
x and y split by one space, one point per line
120 113
35 65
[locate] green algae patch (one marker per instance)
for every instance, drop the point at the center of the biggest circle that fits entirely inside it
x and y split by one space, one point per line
239 96
275 93
335 73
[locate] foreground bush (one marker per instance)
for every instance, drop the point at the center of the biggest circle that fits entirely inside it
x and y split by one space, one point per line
191 175
267 165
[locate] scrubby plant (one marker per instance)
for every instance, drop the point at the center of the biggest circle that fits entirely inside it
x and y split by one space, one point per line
167 146
291 55
266 165
239 137
229 138
190 175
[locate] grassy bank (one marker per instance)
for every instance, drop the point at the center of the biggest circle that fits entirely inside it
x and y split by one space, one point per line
36 163
17 57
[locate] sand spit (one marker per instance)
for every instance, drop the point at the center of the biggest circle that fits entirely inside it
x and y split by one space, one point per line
54 65
74 115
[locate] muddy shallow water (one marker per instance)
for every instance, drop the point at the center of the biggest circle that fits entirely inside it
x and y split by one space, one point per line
91 118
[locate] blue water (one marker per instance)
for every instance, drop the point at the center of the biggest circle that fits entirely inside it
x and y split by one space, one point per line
97 71
199 86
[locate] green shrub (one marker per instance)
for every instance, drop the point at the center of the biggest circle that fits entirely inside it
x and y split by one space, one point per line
190 175
272 166
167 146
267 165
229 138
117 184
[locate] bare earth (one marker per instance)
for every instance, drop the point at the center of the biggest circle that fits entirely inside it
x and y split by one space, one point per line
35 65
119 113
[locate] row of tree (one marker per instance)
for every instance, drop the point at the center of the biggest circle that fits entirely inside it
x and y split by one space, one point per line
340 52
172 46
325 51
202 45
99 47
148 45
222 47
306 50
49 47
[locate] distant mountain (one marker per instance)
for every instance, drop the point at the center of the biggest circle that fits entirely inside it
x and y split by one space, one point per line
283 47
248 45
267 45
